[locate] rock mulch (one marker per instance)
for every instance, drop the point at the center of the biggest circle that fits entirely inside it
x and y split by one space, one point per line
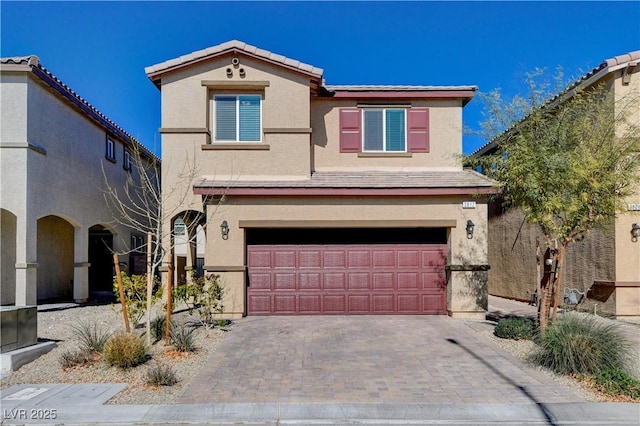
55 325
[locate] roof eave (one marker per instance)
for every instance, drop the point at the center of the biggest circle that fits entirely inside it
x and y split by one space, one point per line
156 76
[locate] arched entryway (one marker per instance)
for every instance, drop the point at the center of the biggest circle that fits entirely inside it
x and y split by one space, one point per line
55 249
101 261
188 241
8 232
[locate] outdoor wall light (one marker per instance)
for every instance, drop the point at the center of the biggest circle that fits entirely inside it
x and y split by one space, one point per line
470 226
635 232
224 230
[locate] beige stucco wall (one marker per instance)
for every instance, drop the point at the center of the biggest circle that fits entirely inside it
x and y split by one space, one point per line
187 104
628 252
62 176
445 139
468 296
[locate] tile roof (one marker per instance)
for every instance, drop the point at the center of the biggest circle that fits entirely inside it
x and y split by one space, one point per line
394 88
219 49
367 180
55 83
605 67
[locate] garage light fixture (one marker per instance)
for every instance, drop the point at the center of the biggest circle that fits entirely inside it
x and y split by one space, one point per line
635 232
224 230
470 226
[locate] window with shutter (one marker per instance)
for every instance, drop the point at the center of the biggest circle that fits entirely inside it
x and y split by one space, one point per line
384 130
238 118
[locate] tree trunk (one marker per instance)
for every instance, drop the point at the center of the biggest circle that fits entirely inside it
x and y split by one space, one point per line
557 281
545 292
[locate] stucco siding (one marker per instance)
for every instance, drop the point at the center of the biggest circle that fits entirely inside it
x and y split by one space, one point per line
445 139
231 252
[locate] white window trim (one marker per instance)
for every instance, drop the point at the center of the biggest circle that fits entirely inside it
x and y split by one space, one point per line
110 146
237 96
384 130
126 160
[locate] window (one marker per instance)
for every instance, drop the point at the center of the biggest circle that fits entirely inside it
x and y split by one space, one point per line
137 243
126 161
384 130
110 150
238 118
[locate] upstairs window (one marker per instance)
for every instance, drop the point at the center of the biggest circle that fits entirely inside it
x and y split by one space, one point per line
126 161
238 118
110 150
384 130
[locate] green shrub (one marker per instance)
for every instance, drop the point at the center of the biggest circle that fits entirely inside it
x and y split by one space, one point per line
70 359
581 344
161 375
124 350
135 294
159 326
203 296
91 339
616 381
182 339
515 328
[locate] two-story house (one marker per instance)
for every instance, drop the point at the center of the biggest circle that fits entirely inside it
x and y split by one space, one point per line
605 266
57 154
323 199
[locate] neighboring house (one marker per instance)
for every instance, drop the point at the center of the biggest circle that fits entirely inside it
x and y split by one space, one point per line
337 199
606 264
56 229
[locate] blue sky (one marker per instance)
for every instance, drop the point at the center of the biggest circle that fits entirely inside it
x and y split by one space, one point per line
100 49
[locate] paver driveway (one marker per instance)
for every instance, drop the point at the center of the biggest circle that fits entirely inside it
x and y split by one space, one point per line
410 359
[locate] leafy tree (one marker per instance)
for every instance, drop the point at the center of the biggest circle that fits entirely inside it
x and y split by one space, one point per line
567 161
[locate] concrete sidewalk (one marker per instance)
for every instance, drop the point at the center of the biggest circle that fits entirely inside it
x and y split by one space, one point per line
330 414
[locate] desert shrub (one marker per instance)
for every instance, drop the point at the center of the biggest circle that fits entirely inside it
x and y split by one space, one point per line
581 344
124 350
135 294
70 358
90 337
203 296
183 339
161 375
159 326
616 381
514 328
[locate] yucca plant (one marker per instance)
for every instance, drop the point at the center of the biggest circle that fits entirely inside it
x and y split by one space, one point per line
183 339
90 337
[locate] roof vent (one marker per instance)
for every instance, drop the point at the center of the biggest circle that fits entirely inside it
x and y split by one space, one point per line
235 62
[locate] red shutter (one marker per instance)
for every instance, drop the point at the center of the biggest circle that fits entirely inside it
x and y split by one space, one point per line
418 130
350 130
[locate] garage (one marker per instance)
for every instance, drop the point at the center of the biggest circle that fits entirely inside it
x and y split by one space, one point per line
346 272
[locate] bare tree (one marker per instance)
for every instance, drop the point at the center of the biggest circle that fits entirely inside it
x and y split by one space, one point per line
138 205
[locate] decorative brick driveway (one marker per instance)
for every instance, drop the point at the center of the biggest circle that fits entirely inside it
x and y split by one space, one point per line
409 359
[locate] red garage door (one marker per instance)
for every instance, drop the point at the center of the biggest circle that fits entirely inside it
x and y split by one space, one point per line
346 279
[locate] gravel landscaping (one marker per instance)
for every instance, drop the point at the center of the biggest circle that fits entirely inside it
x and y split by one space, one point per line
54 324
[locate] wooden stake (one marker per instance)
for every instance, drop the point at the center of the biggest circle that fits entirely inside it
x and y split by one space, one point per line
116 262
167 334
149 287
